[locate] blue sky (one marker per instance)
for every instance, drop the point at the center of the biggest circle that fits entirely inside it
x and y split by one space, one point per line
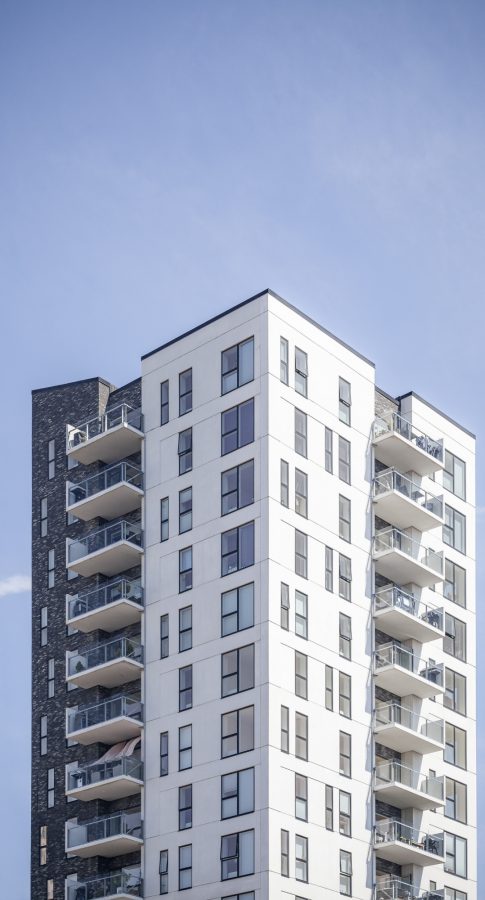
160 161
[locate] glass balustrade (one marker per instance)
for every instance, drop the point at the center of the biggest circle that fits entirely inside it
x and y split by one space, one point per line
110 592
104 828
122 472
394 539
394 771
94 773
394 888
392 830
115 884
90 716
120 415
401 426
396 714
104 538
121 648
394 655
393 597
392 480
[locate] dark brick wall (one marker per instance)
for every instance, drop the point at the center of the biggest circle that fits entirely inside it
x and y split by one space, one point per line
53 408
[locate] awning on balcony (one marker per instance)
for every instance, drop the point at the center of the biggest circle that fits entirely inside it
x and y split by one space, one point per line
119 751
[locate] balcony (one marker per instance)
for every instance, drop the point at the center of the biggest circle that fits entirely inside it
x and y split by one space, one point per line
398 443
111 606
403 730
110 722
109 494
400 500
106 836
108 665
407 846
394 888
398 670
404 787
402 560
122 885
109 551
403 616
113 436
108 780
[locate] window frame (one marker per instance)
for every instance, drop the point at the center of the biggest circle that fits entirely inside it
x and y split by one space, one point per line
301 372
237 793
238 531
185 868
185 451
238 471
301 433
225 616
237 652
183 731
164 636
284 483
185 511
164 759
185 691
450 529
184 806
185 629
344 401
237 368
164 402
164 519
186 572
284 360
185 405
237 733
328 450
344 460
238 411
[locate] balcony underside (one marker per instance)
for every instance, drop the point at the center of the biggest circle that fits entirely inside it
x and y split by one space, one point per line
407 853
110 446
404 797
400 568
111 732
399 510
111 617
108 847
402 739
111 560
395 451
402 682
110 674
398 623
111 503
108 789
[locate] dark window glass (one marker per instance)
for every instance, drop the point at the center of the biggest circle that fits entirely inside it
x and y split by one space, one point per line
237 487
237 365
237 427
237 670
185 392
237 548
164 521
237 609
185 510
164 636
164 403
185 688
185 629
185 451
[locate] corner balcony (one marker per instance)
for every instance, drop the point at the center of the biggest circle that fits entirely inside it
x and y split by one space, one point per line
110 722
403 730
109 494
407 846
403 616
394 888
398 443
406 788
398 670
108 665
108 780
402 560
116 434
109 551
106 836
400 500
122 885
110 607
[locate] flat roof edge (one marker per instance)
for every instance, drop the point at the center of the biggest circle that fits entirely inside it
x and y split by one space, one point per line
439 411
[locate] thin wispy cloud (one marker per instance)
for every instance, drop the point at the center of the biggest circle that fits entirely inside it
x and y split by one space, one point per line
15 584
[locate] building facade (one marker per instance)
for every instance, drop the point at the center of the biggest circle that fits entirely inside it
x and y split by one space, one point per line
254 627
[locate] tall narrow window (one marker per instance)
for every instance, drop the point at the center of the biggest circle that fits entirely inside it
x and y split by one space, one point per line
284 483
185 807
185 451
237 731
345 814
285 606
454 529
237 548
237 609
301 675
328 569
164 753
345 873
237 487
455 746
185 392
284 360
345 577
455 855
301 735
164 403
329 807
285 729
301 493
164 522
237 365
185 688
163 870
454 587
52 458
328 450
237 793
301 554
455 691
50 889
344 460
456 800
51 566
185 569
237 855
50 788
43 517
344 695
164 636
344 401
301 614
43 845
301 372
185 747
329 688
285 853
185 510
43 735
51 677
301 858
301 433
345 636
185 629
454 641
344 518
237 670
345 752
185 867
301 797
454 475
43 626
237 427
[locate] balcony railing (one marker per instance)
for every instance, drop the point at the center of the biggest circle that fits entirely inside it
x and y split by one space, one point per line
104 828
101 481
394 888
94 773
395 772
112 591
392 480
396 714
393 597
393 655
102 713
393 539
401 426
118 883
104 538
120 415
391 830
121 648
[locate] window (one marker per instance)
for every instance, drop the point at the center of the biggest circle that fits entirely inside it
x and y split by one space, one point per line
344 401
164 753
52 458
455 691
454 475
51 564
185 867
185 392
345 873
454 529
451 894
185 510
455 746
50 788
301 493
344 518
185 451
185 569
329 450
237 427
344 460
237 487
164 636
284 360
237 609
454 641
43 517
301 797
285 606
344 695
50 889
456 800
43 845
237 548
285 853
237 670
328 569
185 747
454 587
345 636
329 807
185 629
301 372
301 433
185 688
344 813
301 614
51 677
329 688
285 729
237 855
164 532
163 870
237 365
237 731
164 403
301 554
247 895
301 858
345 752
43 626
237 793
301 735
185 807
301 675
43 735
284 483
344 577
455 855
